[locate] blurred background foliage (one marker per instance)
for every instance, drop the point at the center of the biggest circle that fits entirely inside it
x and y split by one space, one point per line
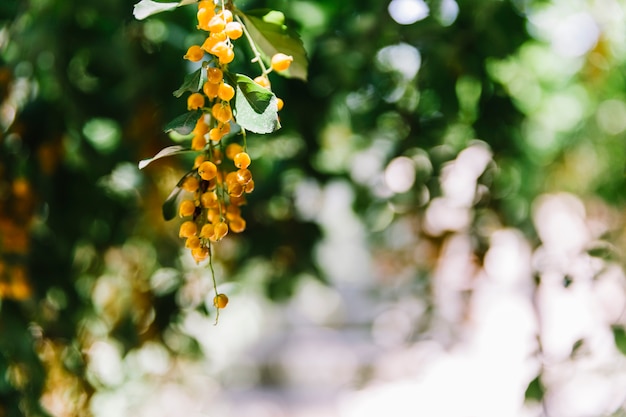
441 152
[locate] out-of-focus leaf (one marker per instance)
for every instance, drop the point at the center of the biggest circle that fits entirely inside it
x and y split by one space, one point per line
272 37
256 106
535 390
184 123
146 8
619 334
603 250
191 83
169 151
170 205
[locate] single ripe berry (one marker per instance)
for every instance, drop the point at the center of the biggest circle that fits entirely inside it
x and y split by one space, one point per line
279 104
226 57
234 30
188 229
194 53
214 75
213 216
198 142
208 199
235 189
242 160
222 112
237 225
225 92
186 208
205 14
216 24
262 81
207 231
226 15
198 160
210 89
200 254
232 150
244 176
190 184
280 62
249 187
193 242
220 300
220 230
218 132
195 101
207 170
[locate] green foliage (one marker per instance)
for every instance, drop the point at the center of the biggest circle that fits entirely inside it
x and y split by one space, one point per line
146 8
184 123
255 106
272 36
193 82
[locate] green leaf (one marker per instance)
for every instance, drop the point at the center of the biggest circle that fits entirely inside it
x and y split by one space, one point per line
147 8
169 151
255 106
535 390
192 82
272 37
184 123
619 335
170 206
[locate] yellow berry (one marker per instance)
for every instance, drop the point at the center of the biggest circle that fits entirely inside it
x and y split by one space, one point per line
198 142
225 92
234 30
186 208
242 160
216 24
222 112
209 199
206 4
213 215
232 150
220 300
280 62
279 103
190 184
193 242
198 160
237 200
243 176
226 15
214 75
188 229
235 189
262 81
232 212
194 53
205 14
226 57
210 89
200 254
195 101
207 170
249 187
237 224
207 231
220 230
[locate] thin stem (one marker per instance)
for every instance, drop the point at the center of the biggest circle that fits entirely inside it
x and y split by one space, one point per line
217 316
257 54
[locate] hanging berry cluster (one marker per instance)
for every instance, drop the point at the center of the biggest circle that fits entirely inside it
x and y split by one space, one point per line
222 106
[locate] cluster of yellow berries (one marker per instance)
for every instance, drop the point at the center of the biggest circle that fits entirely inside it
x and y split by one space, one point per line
217 188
